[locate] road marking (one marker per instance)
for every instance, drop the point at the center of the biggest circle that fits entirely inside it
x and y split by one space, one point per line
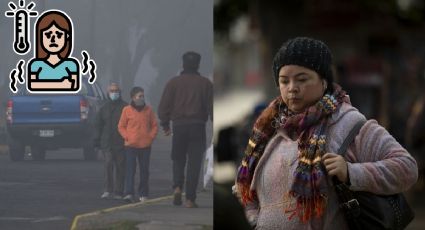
103 211
55 218
33 220
16 218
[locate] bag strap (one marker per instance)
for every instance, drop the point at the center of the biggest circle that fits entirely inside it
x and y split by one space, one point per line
348 202
350 137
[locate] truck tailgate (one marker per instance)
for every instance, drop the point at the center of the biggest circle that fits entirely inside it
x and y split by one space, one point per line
46 109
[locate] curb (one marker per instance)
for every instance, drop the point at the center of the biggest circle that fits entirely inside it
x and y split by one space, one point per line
102 211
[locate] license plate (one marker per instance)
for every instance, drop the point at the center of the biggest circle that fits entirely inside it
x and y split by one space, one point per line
47 133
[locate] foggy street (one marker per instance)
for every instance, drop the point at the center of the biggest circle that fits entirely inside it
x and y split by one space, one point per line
50 193
133 44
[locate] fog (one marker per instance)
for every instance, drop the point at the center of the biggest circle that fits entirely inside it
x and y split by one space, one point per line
134 42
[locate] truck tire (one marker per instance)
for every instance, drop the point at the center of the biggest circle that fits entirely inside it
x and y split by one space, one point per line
16 150
89 153
38 153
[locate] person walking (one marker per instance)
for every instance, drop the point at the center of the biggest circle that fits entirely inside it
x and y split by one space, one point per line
111 143
187 102
138 127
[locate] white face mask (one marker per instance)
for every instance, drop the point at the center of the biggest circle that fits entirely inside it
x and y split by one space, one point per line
114 96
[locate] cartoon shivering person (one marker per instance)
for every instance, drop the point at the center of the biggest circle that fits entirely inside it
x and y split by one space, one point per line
52 68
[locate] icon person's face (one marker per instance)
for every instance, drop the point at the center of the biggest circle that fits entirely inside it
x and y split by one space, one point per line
54 39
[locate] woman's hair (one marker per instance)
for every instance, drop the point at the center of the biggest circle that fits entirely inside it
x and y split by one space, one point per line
61 21
135 90
306 52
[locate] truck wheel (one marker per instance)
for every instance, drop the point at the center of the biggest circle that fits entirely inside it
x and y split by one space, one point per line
89 153
38 153
16 150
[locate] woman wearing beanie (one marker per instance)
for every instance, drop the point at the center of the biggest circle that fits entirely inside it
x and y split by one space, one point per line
138 127
285 178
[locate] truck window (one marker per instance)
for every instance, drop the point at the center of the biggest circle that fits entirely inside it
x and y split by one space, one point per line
86 89
99 90
96 91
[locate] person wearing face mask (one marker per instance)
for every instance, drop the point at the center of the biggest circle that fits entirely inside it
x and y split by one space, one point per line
138 127
111 143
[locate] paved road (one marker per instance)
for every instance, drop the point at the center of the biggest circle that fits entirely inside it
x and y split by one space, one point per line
47 195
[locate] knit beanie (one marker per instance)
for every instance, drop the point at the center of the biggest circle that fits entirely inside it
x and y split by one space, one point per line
191 61
306 52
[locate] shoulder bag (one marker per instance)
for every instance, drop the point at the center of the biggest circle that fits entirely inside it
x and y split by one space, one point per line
365 210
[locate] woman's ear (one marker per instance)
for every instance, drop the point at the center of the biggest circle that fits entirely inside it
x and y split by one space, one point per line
325 85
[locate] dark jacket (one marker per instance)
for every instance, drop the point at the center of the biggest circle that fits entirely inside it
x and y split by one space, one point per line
187 99
106 125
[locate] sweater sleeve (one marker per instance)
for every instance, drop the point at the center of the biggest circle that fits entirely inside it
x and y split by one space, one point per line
380 164
122 124
251 212
154 125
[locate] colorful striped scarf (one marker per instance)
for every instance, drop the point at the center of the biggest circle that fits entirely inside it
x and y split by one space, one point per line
309 185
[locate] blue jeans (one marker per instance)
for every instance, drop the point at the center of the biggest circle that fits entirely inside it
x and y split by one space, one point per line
142 156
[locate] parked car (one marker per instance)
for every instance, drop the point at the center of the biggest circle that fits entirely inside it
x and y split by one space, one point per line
52 121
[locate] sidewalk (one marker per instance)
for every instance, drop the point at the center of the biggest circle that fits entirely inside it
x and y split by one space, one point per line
155 214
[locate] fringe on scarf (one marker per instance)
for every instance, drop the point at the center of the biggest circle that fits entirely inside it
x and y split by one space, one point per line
305 208
261 134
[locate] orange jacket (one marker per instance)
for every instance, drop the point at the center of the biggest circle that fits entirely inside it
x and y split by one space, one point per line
138 128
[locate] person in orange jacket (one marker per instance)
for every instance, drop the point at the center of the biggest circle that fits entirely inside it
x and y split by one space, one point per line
138 126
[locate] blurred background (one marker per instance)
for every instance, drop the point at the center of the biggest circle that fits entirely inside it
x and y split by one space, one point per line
378 49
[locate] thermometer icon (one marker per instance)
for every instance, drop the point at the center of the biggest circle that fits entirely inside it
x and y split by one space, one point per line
21 44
